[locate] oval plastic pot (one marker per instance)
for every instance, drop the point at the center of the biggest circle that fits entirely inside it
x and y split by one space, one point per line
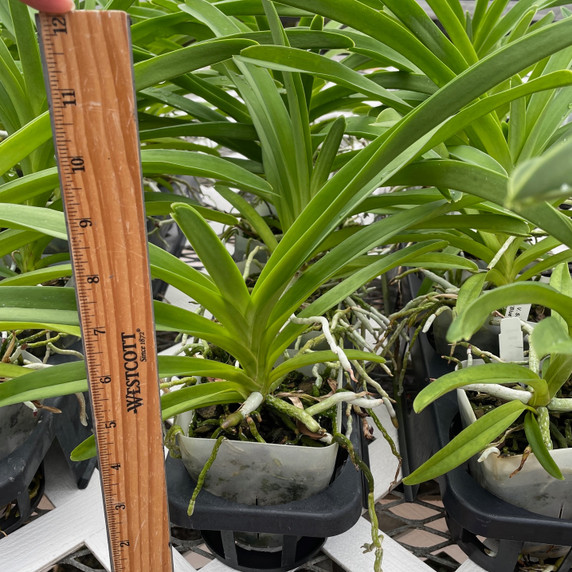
295 529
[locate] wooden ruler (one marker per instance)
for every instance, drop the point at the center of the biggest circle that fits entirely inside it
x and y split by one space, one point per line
87 62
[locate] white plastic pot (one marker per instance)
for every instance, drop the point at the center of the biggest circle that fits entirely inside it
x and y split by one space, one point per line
258 473
531 488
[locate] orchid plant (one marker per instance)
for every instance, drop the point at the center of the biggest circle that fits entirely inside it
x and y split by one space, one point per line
529 392
263 91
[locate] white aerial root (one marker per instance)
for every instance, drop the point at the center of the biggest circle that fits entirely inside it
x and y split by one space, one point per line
500 391
371 313
349 420
384 396
316 373
501 251
432 317
250 260
358 399
344 361
561 404
251 403
487 452
439 280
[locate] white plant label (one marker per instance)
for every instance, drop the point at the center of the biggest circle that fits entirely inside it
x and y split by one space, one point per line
511 341
518 311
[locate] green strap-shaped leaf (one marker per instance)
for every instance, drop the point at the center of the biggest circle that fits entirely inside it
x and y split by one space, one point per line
549 263
160 204
213 129
184 60
48 221
172 319
13 84
327 154
470 290
451 17
20 144
536 442
30 304
246 209
214 255
490 19
211 16
558 372
486 373
442 261
561 279
119 4
508 22
484 221
543 178
451 174
49 307
284 58
220 307
12 370
24 188
550 336
458 240
298 93
35 277
63 379
476 313
85 450
29 56
415 18
276 133
175 162
467 443
535 252
321 356
161 260
305 39
201 395
40 384
184 365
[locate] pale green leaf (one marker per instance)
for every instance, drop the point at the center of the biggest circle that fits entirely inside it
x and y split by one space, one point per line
550 337
544 178
468 443
494 373
477 312
215 257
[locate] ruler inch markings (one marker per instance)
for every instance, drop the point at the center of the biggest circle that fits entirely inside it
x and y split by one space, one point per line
93 112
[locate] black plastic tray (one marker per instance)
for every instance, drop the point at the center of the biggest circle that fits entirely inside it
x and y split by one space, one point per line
21 472
471 510
304 524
